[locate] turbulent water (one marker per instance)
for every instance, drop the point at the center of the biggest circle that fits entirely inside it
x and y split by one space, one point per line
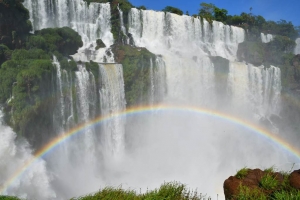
35 182
266 38
142 150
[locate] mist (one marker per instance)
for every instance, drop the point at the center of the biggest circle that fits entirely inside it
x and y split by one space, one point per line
195 67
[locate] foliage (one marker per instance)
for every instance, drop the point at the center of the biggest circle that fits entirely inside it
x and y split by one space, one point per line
207 11
136 65
125 6
142 8
172 190
242 173
268 181
272 185
100 44
14 23
246 193
270 169
8 198
5 53
64 40
220 14
173 10
287 195
210 12
252 52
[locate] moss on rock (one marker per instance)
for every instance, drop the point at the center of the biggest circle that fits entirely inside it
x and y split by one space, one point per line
136 69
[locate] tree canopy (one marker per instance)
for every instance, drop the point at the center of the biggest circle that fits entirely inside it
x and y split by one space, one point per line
173 10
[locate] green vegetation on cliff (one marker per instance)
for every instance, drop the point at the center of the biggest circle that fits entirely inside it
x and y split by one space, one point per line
254 24
136 70
14 23
173 10
125 6
27 75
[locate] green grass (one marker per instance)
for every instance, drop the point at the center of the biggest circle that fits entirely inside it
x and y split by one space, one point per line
242 173
167 191
246 193
270 169
287 195
8 198
270 187
268 182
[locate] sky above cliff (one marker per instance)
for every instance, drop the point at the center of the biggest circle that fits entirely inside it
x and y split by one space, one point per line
275 10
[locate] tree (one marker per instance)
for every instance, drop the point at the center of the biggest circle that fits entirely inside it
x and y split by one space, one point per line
207 11
220 14
173 10
211 12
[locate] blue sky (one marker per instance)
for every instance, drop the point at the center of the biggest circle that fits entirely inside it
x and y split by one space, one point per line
275 10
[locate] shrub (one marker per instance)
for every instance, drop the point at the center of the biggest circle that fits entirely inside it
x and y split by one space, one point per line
242 173
268 182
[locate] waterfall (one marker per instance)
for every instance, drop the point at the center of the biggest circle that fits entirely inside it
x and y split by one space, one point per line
86 105
172 32
59 114
186 43
255 88
266 38
123 29
112 100
297 48
33 183
157 80
91 21
185 138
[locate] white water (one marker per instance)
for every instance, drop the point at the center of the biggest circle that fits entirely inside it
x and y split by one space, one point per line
194 149
145 150
266 38
34 183
91 22
112 100
297 48
123 29
254 89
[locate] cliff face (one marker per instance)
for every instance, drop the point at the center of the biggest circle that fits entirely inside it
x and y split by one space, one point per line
139 63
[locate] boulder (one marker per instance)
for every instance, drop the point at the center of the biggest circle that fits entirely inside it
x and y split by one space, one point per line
295 179
252 181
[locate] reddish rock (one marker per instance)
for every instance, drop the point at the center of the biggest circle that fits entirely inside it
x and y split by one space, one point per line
253 181
295 179
231 186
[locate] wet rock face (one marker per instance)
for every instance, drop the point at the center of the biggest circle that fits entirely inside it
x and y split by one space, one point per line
253 181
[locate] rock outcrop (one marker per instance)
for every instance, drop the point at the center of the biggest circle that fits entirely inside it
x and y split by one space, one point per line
254 183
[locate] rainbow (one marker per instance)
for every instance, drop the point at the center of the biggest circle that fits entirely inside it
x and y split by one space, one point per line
146 109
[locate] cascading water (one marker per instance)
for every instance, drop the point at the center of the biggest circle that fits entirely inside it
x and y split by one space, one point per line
123 29
91 21
33 183
167 34
188 46
297 48
112 100
266 38
179 144
255 89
